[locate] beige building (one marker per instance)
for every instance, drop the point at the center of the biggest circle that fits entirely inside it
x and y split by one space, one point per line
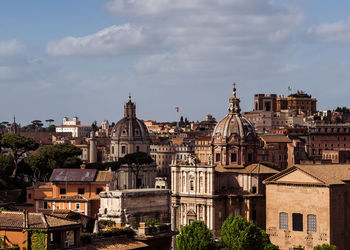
299 101
309 205
135 205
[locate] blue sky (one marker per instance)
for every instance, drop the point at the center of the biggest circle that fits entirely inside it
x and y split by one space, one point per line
65 58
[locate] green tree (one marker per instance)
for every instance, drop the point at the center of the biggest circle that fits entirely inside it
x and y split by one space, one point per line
19 146
237 233
54 156
136 162
325 247
195 236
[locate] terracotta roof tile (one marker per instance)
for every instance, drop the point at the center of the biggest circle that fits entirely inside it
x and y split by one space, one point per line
275 138
104 176
11 219
330 174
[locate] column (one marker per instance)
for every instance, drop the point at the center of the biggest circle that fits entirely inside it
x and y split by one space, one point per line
208 216
211 217
207 181
173 216
210 182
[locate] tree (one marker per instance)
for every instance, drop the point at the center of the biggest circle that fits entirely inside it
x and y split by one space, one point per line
195 236
325 247
19 146
54 156
36 124
49 121
136 162
237 233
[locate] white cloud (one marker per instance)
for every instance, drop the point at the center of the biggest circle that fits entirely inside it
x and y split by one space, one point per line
112 41
199 30
338 32
10 47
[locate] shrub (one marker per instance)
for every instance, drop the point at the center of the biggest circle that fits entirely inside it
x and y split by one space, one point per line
151 222
325 247
105 223
86 238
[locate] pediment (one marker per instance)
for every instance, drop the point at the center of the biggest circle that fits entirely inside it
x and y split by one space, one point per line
298 176
191 212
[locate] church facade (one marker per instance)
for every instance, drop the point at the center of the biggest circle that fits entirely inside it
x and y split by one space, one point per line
130 135
230 183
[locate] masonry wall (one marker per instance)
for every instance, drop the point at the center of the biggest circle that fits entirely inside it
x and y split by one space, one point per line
340 216
297 199
15 236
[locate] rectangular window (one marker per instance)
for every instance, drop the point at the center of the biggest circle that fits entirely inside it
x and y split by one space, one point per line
297 222
217 157
81 191
112 149
233 157
29 196
311 223
98 190
62 191
45 205
123 150
250 158
284 221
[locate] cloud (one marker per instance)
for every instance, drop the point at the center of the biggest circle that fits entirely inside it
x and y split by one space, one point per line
10 47
112 41
337 32
195 29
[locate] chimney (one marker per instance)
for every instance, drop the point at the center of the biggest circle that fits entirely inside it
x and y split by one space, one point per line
25 219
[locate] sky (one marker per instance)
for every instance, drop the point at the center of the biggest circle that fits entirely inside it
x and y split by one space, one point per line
84 57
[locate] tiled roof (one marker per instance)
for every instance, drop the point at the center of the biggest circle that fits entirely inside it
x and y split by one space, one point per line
275 138
12 219
73 175
254 168
104 176
331 174
67 198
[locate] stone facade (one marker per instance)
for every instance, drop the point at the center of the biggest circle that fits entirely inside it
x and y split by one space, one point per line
126 178
227 183
135 205
309 205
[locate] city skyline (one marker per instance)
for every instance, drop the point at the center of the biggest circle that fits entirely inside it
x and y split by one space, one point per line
83 58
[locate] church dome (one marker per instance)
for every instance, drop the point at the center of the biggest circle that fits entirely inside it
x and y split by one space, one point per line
130 127
233 124
234 138
129 135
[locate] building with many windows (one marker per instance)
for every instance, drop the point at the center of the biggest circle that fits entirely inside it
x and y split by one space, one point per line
299 101
74 126
309 205
229 183
71 189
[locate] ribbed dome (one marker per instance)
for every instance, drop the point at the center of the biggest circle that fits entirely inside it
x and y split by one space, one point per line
233 124
234 138
129 127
